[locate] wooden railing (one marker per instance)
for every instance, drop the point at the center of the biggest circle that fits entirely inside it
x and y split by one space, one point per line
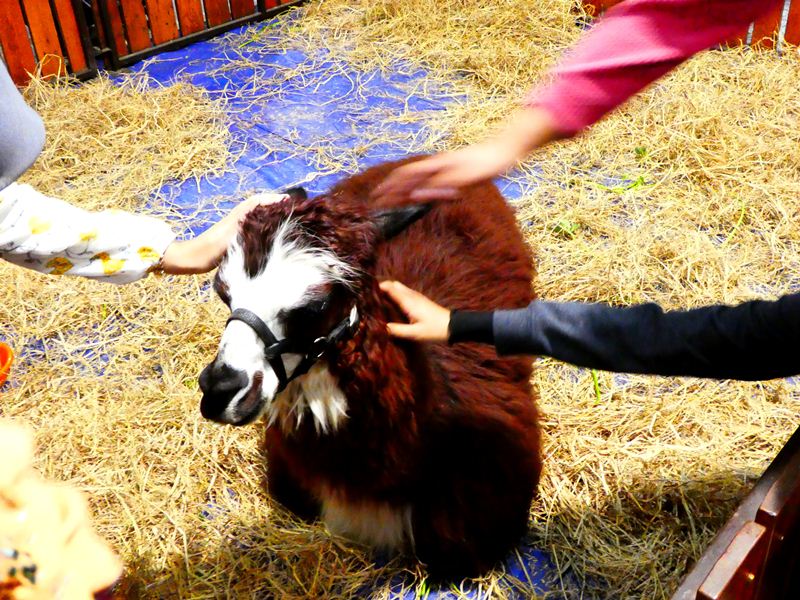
756 555
135 29
55 37
48 35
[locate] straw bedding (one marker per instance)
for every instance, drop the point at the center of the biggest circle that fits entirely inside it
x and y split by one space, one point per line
688 195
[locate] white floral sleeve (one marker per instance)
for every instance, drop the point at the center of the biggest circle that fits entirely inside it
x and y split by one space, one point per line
51 236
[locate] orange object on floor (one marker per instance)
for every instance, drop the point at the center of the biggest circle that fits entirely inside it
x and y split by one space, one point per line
6 358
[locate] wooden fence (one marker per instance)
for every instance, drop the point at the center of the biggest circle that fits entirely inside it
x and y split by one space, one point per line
63 36
756 555
50 35
134 29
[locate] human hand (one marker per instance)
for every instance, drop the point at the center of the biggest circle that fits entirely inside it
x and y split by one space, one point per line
429 322
203 253
439 177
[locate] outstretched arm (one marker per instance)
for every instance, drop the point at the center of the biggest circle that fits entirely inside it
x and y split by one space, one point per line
751 341
48 235
632 45
51 236
635 43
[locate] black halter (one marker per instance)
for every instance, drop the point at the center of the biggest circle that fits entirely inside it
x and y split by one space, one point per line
274 348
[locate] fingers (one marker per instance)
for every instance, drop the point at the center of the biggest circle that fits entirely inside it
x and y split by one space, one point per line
391 287
404 297
241 210
404 331
429 321
458 173
432 193
400 182
440 177
396 291
220 234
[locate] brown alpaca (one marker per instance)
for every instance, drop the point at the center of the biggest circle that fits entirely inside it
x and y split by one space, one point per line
432 449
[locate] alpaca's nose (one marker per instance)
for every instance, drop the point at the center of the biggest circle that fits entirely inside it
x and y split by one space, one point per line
219 383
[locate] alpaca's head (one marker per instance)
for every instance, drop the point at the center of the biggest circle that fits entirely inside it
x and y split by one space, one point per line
290 279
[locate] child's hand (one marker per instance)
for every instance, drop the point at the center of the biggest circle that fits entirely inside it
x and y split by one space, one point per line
439 177
203 253
429 322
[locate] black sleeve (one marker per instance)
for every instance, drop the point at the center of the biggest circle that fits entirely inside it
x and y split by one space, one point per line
471 326
752 341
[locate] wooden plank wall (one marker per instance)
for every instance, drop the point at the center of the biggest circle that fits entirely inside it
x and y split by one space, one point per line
52 36
763 33
44 34
136 28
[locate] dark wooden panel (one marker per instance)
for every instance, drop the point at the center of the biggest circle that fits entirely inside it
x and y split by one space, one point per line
779 514
115 33
793 25
766 28
98 20
737 572
17 49
242 8
190 15
163 24
217 12
45 36
778 511
71 35
135 24
746 511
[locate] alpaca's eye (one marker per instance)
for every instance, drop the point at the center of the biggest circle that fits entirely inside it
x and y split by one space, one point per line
315 307
306 320
308 313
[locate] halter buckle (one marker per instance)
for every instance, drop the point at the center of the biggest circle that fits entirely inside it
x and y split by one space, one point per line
318 347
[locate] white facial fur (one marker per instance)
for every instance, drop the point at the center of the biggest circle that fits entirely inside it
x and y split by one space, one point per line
290 272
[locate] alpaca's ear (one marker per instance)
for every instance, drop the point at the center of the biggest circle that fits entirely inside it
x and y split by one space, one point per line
297 193
392 221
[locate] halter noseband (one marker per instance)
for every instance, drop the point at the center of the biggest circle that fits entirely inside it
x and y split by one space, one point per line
274 348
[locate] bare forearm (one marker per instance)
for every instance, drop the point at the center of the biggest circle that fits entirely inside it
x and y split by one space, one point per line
189 257
527 129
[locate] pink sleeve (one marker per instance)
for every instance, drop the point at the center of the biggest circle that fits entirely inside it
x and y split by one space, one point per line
635 43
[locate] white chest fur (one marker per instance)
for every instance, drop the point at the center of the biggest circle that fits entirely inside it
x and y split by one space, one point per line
316 395
374 524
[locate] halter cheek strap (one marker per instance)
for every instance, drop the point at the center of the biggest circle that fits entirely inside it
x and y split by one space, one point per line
274 349
270 341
